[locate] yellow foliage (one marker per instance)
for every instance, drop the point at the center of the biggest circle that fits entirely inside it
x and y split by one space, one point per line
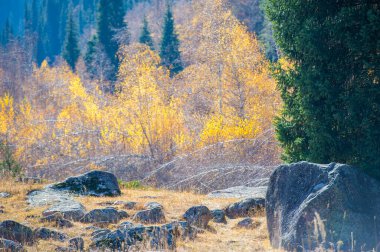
224 93
6 114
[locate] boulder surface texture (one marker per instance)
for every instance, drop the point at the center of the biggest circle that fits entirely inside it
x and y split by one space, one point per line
311 206
93 183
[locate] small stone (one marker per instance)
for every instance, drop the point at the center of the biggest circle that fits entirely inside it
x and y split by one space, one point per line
152 216
198 216
64 249
123 214
11 246
219 216
11 230
71 210
47 234
99 233
126 225
245 208
151 205
129 205
57 220
77 243
247 223
112 240
5 195
106 215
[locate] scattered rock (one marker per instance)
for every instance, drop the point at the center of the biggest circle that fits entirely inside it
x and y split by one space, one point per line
47 234
62 202
240 192
11 246
99 233
152 216
311 206
149 197
76 243
198 216
124 204
58 220
126 225
93 183
92 228
151 205
29 180
245 208
123 214
151 237
219 216
247 223
182 229
5 195
14 231
129 205
110 240
70 210
47 196
106 215
64 249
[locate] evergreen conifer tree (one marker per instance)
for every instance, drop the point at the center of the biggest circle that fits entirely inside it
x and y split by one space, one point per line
331 92
146 37
71 48
7 33
90 55
170 54
28 19
110 21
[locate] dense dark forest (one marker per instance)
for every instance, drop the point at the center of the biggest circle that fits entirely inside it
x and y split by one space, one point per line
48 18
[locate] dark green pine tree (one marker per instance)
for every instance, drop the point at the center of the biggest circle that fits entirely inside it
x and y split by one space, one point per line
332 97
53 27
7 33
42 35
170 54
28 20
34 15
145 36
71 51
110 21
90 55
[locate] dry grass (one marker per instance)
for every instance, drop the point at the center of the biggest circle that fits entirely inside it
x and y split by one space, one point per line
223 238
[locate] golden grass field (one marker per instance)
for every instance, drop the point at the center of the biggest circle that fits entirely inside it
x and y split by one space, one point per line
221 237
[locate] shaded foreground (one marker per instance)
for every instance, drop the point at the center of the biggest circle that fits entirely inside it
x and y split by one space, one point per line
219 237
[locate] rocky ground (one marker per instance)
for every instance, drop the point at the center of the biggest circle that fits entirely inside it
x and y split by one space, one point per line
91 213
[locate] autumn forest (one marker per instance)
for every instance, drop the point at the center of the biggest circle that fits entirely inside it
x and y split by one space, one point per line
172 81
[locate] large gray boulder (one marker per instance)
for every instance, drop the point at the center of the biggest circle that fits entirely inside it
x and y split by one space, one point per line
93 183
311 206
14 231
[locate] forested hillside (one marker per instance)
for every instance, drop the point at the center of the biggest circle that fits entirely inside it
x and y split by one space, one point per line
88 83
